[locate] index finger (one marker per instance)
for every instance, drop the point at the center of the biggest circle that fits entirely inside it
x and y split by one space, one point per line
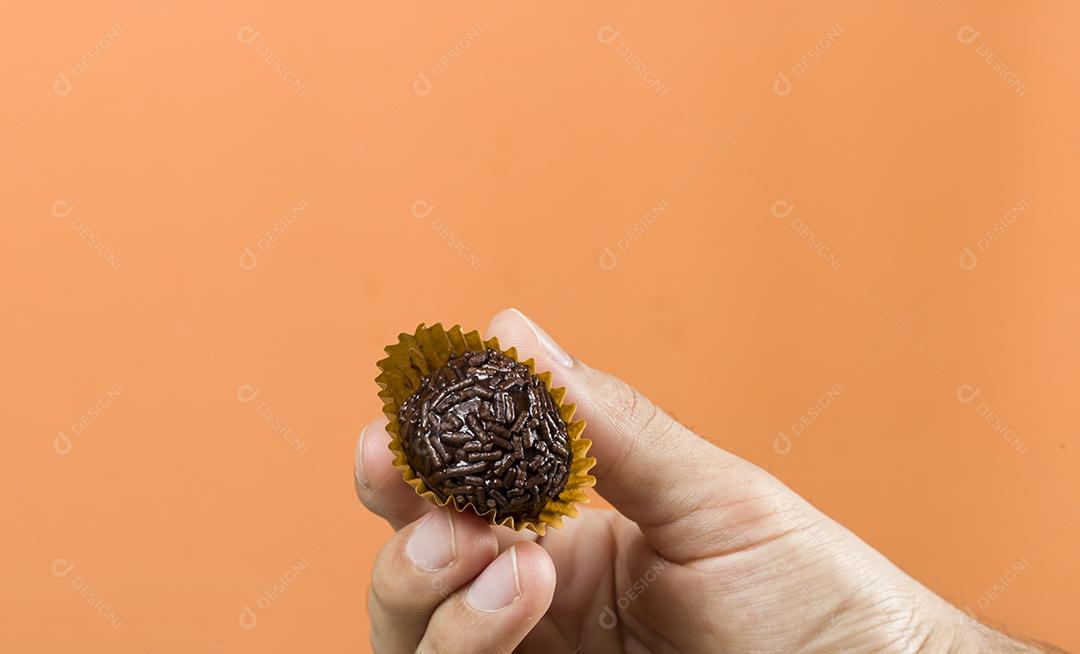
379 485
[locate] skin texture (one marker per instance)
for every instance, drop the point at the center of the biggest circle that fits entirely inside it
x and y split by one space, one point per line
734 562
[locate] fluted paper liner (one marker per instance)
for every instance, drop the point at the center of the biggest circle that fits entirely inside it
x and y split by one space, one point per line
428 349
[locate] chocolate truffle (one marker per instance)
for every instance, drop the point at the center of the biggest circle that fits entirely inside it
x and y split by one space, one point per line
485 431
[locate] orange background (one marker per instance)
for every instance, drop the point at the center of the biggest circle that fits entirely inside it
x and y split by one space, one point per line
541 141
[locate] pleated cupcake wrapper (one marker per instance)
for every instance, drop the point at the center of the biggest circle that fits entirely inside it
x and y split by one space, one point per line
428 349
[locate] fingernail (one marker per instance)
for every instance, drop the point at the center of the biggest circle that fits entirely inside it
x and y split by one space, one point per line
552 348
358 466
431 545
497 586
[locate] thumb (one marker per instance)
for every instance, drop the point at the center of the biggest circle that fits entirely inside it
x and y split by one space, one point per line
690 498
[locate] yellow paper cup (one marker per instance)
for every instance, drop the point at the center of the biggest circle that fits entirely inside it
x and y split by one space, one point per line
428 349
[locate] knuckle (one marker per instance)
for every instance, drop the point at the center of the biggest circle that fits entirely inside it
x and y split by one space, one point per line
656 425
632 413
384 594
618 401
426 647
625 401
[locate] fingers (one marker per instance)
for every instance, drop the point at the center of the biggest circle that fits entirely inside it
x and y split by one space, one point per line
379 485
498 609
422 565
645 458
421 598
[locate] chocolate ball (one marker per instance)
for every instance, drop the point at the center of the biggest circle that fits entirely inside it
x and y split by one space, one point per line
485 431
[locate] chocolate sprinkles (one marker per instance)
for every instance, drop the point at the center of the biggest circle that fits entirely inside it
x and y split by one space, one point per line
484 431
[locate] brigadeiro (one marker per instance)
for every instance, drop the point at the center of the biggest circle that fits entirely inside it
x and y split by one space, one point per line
483 430
475 428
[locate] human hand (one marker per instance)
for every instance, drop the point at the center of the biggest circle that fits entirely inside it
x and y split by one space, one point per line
704 552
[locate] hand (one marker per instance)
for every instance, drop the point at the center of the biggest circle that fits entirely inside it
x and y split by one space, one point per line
705 552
